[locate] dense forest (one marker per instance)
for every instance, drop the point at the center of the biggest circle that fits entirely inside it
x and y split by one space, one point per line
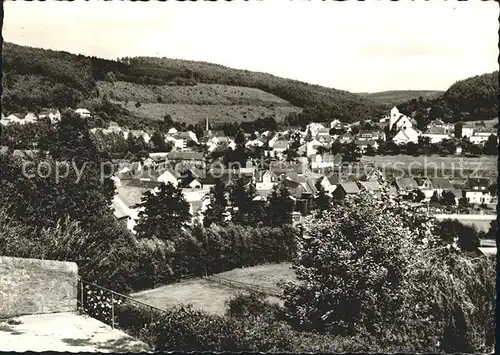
34 78
472 99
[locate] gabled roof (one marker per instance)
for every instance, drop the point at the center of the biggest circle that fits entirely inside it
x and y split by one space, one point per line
437 130
281 144
480 182
406 183
174 155
130 195
334 179
349 187
372 186
441 183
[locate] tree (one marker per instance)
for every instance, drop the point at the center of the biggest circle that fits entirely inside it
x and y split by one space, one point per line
458 129
417 195
138 104
73 141
370 151
491 146
353 259
352 153
336 148
435 198
110 76
241 199
165 211
216 211
448 198
158 141
322 200
279 207
452 230
239 137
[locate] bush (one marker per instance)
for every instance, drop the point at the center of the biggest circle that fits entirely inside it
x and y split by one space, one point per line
254 304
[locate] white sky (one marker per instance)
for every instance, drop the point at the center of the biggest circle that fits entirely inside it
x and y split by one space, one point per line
355 46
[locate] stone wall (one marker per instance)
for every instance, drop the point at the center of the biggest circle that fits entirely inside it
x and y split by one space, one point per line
33 286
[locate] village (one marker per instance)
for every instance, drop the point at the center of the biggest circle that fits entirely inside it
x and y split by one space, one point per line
300 160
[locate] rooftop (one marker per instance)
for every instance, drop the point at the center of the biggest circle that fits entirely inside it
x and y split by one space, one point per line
65 332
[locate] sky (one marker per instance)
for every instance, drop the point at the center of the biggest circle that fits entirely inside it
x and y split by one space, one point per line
354 46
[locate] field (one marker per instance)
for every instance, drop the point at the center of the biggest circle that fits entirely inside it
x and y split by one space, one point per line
211 297
460 167
192 104
217 114
200 94
399 96
489 124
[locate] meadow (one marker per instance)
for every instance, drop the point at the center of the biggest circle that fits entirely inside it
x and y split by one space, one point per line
211 296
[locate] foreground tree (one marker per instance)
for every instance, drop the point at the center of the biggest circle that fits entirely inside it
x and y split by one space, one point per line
322 200
216 211
164 211
279 207
375 267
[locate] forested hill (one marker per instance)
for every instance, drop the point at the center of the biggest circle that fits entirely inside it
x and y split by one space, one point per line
394 97
36 78
474 98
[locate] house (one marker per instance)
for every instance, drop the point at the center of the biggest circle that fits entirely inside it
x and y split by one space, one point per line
188 157
14 118
345 189
329 183
138 133
126 205
467 131
160 161
312 147
280 146
363 145
398 120
441 184
405 185
326 160
183 139
373 187
371 135
438 123
265 180
53 114
335 123
30 118
83 112
345 138
437 134
406 135
476 191
323 136
315 128
481 136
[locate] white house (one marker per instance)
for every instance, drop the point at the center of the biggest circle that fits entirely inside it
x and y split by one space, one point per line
478 139
314 128
467 131
30 118
83 112
407 135
312 147
437 134
169 176
53 114
138 133
476 191
266 181
335 123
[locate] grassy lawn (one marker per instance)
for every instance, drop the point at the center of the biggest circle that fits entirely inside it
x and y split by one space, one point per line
211 297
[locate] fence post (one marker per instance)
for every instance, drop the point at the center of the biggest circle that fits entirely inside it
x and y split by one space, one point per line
151 315
112 311
81 296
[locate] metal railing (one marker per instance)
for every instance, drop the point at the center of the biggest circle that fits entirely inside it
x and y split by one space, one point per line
113 308
243 285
